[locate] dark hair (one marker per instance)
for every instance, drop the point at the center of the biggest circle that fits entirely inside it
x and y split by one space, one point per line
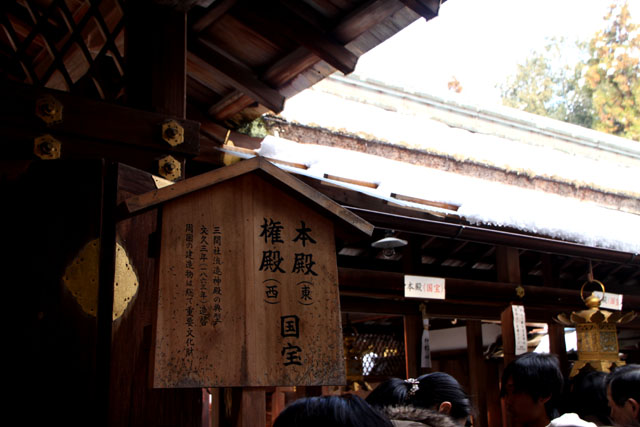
393 392
438 387
428 391
538 375
625 384
588 397
348 410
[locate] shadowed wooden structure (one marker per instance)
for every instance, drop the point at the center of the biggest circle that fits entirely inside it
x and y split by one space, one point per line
105 101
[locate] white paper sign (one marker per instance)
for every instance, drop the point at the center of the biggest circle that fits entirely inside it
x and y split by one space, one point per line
610 301
426 346
424 287
519 329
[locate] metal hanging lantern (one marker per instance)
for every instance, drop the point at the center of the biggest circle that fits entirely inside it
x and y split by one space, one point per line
597 334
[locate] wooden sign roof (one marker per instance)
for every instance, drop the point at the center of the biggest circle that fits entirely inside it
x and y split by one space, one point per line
272 173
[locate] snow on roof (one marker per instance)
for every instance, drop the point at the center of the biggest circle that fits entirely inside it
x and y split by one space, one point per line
479 201
407 127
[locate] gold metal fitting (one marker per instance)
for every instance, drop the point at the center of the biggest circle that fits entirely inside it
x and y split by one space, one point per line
520 291
47 147
49 110
172 133
169 168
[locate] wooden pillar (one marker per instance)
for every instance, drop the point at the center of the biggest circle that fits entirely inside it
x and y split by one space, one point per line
106 280
557 344
155 74
131 400
508 335
278 402
412 343
477 371
253 409
412 322
494 407
508 267
508 264
51 213
156 46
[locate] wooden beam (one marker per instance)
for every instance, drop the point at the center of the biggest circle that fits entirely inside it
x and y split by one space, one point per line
178 5
389 285
219 8
364 18
307 13
353 25
443 257
227 105
418 225
238 76
428 9
347 30
288 67
447 309
267 18
84 118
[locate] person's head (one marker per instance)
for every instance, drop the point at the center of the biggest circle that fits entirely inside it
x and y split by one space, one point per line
441 392
531 387
436 391
588 397
623 394
340 411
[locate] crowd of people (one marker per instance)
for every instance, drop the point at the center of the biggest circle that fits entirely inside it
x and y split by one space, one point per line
533 390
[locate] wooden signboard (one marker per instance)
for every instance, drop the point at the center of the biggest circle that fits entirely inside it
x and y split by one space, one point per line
248 289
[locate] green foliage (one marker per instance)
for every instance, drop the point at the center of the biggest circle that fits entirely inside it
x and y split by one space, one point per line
255 128
547 86
613 74
601 92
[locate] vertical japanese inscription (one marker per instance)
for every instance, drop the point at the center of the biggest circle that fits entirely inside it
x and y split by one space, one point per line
203 268
189 294
216 270
288 260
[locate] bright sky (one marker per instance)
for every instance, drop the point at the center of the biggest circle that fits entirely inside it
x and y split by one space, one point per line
479 42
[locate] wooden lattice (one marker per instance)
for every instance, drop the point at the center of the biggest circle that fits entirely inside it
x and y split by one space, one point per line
70 45
379 347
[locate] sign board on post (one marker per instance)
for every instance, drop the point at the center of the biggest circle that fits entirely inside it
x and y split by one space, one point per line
424 287
519 329
248 292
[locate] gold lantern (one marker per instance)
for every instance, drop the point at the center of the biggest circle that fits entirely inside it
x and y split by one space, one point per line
597 334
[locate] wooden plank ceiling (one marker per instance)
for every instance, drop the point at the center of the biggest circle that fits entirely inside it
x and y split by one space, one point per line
244 57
